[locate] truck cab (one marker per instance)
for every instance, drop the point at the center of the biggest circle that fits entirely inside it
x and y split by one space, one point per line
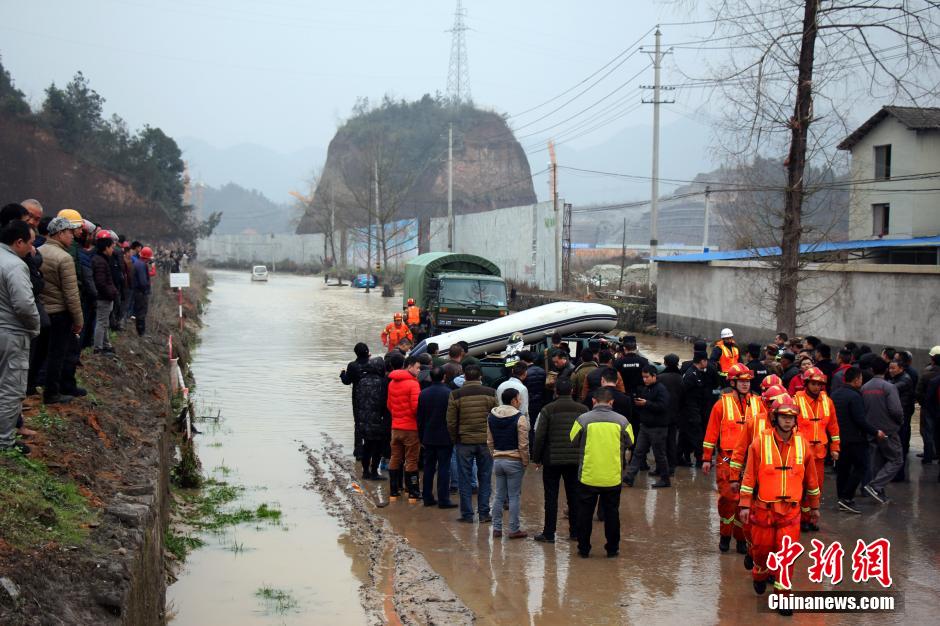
455 290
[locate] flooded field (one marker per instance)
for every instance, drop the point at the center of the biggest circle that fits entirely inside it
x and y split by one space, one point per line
269 361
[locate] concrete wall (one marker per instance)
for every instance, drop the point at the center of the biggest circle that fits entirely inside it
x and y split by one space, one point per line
880 305
912 214
520 240
267 249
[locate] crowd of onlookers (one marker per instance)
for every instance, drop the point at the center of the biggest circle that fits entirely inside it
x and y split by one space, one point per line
65 285
472 437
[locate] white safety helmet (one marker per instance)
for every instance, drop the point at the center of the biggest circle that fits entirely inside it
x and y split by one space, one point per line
726 333
934 351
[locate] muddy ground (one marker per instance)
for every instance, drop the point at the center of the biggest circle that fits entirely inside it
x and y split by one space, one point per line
105 446
402 588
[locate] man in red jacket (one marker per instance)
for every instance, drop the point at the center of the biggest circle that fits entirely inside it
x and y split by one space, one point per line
403 391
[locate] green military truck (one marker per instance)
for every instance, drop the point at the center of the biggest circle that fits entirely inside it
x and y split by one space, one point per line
455 290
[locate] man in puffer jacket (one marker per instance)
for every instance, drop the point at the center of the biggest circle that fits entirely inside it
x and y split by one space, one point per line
559 458
371 414
403 392
507 436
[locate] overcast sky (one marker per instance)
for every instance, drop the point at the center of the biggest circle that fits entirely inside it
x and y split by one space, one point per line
282 73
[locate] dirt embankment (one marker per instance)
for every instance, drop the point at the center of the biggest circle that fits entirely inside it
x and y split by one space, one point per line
82 519
402 587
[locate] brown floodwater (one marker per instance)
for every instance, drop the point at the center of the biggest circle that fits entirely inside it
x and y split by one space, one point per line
269 360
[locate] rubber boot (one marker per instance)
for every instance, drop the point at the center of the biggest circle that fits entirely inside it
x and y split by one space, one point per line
411 483
741 547
394 485
724 543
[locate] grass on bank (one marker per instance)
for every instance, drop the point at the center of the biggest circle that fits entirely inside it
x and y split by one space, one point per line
38 508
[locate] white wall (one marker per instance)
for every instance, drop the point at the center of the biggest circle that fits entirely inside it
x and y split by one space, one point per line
912 214
520 240
881 305
268 249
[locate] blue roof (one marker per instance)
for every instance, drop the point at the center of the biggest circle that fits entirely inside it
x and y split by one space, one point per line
859 244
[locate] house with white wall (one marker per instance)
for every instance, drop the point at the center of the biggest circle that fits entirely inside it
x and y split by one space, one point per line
895 174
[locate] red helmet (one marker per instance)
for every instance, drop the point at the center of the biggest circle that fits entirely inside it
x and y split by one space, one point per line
814 374
397 317
740 371
784 405
772 393
103 234
146 253
770 381
411 301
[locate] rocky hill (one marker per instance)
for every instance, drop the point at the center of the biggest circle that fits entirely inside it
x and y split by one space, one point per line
33 165
406 145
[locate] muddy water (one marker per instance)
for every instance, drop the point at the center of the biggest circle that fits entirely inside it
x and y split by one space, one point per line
269 360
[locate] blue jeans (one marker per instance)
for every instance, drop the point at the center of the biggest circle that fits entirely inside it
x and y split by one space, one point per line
466 455
508 475
455 475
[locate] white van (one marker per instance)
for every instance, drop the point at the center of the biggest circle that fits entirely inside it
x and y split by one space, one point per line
259 273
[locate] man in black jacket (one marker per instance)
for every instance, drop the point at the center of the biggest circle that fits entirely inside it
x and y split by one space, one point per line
671 379
854 431
351 376
535 383
631 365
652 403
435 440
553 450
755 364
788 365
695 407
902 380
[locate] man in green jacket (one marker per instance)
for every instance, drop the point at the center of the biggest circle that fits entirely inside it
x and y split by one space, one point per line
467 412
553 450
601 436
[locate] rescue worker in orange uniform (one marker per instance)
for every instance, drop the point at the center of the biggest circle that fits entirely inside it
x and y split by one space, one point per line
779 477
413 317
818 424
769 381
395 332
754 426
725 354
725 427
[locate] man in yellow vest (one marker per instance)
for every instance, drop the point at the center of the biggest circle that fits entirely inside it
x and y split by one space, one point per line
818 423
725 353
780 476
725 426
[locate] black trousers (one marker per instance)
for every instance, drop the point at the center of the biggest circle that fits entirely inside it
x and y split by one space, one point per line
905 435
372 451
437 461
552 475
654 438
610 503
57 343
690 437
672 447
851 467
141 305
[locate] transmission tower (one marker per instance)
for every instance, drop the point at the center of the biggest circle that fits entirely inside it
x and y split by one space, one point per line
458 76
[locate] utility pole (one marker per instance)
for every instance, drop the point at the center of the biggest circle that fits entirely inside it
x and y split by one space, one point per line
654 183
553 165
450 188
375 175
708 193
623 255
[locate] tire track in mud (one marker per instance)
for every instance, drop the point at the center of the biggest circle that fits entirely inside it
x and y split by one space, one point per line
402 586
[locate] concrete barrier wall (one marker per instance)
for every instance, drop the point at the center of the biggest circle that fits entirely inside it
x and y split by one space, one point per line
879 305
520 240
267 249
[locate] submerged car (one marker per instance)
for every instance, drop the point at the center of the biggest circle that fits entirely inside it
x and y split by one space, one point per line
259 273
364 280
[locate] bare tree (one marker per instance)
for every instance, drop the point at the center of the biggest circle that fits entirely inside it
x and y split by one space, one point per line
795 68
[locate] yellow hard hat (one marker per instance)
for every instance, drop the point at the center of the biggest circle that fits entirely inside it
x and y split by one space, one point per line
72 216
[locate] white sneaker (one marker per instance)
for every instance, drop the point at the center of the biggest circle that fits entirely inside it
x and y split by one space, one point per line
874 494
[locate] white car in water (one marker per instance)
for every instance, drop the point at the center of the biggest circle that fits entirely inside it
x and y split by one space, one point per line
259 273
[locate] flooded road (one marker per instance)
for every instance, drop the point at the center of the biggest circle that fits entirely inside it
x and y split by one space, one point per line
270 358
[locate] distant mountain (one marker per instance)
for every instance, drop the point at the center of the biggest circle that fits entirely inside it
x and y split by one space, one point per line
683 154
252 166
244 210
